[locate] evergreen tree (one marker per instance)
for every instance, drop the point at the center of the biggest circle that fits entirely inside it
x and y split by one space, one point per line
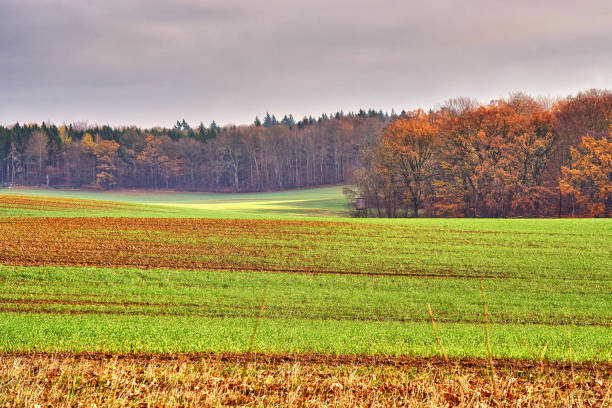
268 122
202 131
214 129
288 121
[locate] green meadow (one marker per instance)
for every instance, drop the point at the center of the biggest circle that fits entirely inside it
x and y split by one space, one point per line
315 202
548 282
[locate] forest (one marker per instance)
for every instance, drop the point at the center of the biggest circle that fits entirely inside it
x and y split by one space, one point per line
267 155
514 157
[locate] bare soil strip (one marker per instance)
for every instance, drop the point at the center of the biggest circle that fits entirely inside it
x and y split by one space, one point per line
46 203
407 362
56 301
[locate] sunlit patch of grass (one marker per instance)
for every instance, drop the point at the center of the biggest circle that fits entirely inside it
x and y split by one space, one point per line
315 202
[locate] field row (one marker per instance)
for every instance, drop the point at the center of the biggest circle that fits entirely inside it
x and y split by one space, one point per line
73 290
36 203
124 310
557 249
178 334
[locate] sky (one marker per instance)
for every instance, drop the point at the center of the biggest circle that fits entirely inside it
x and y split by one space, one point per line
152 62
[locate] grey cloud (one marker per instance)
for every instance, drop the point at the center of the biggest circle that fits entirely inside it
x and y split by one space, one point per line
151 62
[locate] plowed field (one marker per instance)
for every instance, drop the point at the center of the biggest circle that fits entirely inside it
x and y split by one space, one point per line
485 249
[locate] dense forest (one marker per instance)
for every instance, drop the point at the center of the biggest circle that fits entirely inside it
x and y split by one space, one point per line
270 154
518 156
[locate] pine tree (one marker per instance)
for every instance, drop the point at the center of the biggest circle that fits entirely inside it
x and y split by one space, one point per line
288 121
268 120
214 129
202 132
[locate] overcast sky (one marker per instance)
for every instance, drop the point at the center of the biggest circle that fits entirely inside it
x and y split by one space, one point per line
151 62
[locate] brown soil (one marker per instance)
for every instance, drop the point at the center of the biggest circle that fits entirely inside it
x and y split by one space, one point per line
211 244
605 368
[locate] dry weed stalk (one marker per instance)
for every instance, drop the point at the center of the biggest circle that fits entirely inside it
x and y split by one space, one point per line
257 324
259 317
486 322
542 357
571 357
433 323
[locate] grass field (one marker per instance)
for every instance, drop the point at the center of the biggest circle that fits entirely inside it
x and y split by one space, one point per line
316 202
132 273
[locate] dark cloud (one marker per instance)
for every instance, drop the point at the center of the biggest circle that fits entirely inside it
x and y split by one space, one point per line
150 62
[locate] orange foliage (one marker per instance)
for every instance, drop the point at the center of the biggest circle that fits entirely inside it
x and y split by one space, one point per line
489 161
106 153
589 179
405 156
494 162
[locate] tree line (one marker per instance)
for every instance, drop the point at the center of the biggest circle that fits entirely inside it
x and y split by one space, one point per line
515 157
270 154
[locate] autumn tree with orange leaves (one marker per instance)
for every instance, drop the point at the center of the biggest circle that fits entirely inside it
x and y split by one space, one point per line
487 161
406 154
494 161
106 163
589 178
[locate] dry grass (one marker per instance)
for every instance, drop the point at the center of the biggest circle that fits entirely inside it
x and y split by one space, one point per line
78 380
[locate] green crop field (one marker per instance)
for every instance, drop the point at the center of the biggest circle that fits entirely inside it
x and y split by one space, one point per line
168 310
315 202
163 282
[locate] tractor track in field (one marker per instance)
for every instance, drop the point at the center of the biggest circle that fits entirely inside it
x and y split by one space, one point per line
497 276
55 301
408 362
310 272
